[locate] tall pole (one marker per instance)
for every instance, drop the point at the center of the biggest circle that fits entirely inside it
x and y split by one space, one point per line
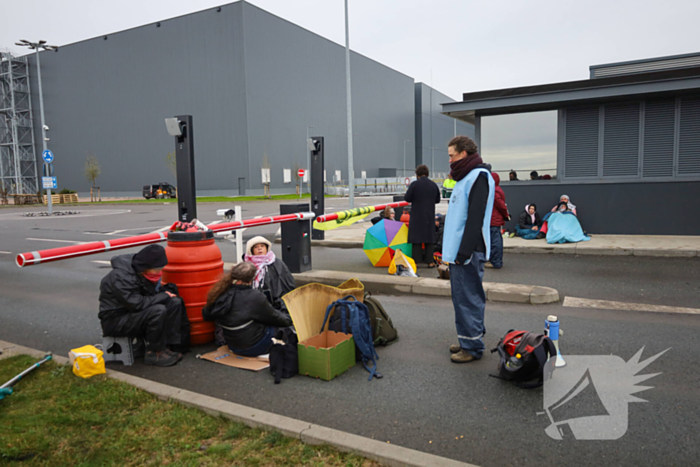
351 172
43 126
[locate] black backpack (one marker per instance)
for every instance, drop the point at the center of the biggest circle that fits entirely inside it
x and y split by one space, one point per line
523 356
284 357
383 330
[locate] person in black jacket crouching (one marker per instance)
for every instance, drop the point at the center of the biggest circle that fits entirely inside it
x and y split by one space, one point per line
248 319
134 303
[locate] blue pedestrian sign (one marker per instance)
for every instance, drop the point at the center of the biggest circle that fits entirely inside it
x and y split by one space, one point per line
47 155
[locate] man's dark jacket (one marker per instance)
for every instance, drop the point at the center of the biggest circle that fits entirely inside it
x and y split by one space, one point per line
241 306
423 194
123 290
525 221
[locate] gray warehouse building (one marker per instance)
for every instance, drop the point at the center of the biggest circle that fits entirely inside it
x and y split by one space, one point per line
627 144
255 85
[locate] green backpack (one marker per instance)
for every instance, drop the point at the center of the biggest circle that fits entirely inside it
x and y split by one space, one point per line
383 330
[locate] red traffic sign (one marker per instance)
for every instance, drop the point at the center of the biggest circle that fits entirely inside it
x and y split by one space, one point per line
300 172
407 181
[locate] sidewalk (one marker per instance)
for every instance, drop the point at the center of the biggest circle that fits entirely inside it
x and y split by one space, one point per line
353 236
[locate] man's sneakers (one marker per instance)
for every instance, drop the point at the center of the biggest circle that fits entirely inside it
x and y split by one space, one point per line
488 265
460 355
541 235
163 358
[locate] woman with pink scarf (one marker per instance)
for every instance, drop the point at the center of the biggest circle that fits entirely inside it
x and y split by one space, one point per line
272 277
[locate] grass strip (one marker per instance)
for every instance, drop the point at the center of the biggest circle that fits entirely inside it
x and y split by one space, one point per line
55 418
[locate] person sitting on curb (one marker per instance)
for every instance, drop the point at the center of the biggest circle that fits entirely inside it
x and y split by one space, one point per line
567 200
529 223
134 303
248 320
386 213
273 277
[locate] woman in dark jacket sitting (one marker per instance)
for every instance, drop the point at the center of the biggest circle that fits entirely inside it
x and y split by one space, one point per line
529 223
248 320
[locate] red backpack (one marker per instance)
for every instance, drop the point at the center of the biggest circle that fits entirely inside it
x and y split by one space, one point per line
523 358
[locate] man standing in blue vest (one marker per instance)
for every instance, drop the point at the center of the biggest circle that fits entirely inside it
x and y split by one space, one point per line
466 244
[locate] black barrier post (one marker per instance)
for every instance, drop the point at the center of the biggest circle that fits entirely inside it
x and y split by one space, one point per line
318 205
181 128
296 239
398 211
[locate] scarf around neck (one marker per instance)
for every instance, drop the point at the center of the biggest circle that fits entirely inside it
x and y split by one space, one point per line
261 262
460 168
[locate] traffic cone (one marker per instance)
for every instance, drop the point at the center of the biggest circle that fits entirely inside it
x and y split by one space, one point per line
551 329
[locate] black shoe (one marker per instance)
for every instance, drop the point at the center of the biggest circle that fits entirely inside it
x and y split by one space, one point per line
138 347
541 235
164 358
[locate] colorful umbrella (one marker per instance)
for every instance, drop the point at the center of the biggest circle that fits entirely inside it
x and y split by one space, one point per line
383 239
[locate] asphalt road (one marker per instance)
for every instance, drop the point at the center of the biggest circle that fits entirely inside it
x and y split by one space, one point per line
424 401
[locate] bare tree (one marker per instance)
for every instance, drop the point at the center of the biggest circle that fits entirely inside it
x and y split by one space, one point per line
295 175
92 168
171 162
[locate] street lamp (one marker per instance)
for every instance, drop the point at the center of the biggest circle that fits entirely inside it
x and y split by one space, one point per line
404 155
37 46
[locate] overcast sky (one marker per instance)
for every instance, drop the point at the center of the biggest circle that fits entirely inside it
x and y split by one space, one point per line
456 45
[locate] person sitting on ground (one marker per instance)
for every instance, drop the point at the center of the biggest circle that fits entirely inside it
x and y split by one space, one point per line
513 175
273 277
135 304
248 320
439 232
567 200
386 213
529 223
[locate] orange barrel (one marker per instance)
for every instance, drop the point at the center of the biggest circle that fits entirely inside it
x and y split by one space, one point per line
194 265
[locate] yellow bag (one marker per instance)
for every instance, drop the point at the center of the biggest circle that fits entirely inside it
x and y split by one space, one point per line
403 260
87 361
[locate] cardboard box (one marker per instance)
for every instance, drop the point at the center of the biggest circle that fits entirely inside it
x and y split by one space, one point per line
326 355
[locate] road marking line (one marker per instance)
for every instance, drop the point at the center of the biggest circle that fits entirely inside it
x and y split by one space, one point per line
161 230
279 232
98 261
54 240
215 222
610 305
5 252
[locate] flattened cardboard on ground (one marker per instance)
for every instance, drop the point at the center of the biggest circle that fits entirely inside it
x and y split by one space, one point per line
224 356
326 355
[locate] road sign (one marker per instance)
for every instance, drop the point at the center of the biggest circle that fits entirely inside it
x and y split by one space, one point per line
300 172
48 182
47 155
407 181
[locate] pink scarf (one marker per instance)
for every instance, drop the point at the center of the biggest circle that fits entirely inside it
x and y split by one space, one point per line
261 262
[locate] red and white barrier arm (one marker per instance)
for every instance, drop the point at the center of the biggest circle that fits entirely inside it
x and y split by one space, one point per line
358 211
57 254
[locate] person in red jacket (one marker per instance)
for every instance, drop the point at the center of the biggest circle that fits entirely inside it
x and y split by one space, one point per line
498 219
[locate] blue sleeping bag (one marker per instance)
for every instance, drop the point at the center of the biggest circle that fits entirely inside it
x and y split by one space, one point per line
563 227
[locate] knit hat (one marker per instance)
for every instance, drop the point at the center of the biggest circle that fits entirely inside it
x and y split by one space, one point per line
255 241
151 257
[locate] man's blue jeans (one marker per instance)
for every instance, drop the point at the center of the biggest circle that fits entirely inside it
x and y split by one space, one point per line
469 300
496 258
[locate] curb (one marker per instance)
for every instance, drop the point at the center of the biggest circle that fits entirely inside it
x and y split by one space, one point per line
387 454
397 285
548 249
